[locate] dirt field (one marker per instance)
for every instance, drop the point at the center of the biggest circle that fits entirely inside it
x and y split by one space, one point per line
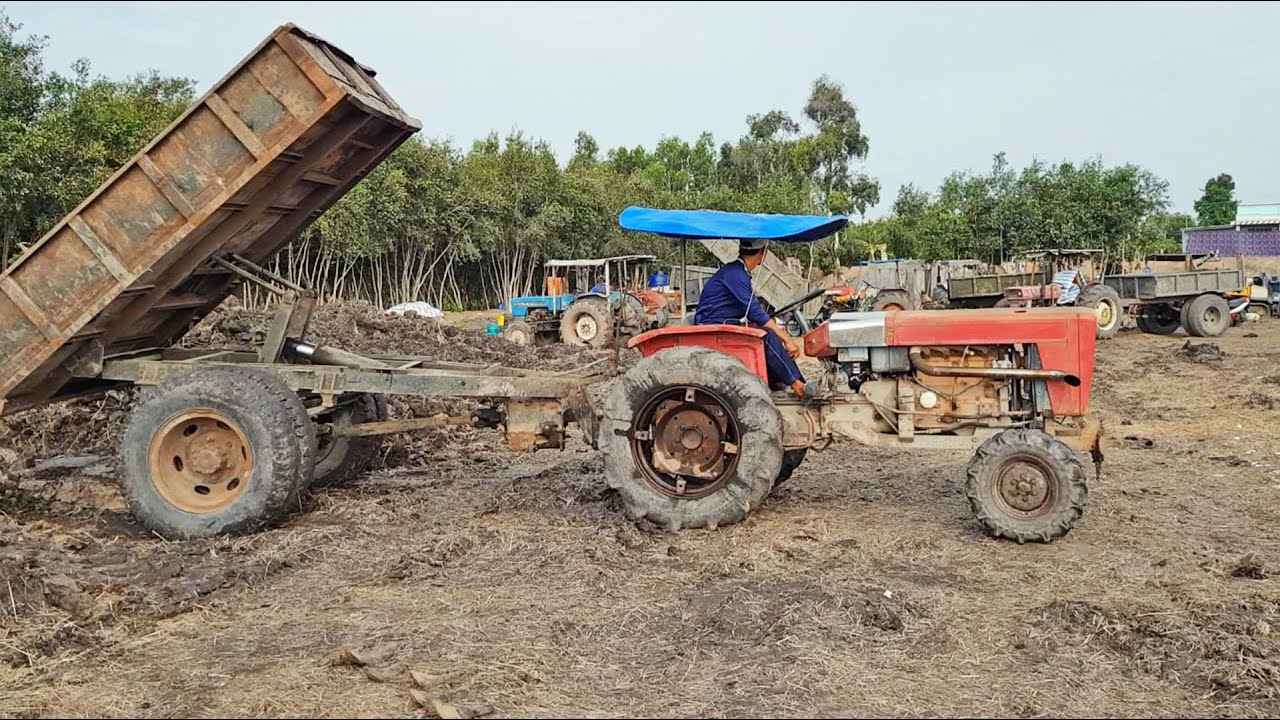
862 588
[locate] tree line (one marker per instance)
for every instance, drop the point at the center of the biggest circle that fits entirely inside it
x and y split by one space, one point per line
467 227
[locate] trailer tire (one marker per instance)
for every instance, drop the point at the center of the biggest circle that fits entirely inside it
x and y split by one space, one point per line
518 332
1206 316
340 459
238 423
1026 485
1106 303
791 460
587 322
699 388
1158 319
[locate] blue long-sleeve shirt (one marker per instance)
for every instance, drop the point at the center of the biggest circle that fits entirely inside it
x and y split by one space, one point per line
727 298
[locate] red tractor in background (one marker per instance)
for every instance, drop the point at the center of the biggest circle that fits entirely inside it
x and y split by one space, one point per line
693 435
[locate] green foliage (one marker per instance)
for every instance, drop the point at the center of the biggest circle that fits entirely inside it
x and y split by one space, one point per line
1218 204
61 136
992 216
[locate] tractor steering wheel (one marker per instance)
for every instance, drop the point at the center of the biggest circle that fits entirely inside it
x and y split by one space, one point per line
797 324
796 304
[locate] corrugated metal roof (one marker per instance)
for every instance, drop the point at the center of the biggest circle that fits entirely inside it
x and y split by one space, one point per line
1259 220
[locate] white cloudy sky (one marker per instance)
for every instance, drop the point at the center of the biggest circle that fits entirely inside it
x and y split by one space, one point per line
1186 89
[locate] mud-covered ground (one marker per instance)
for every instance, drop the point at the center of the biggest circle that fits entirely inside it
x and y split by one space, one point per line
515 584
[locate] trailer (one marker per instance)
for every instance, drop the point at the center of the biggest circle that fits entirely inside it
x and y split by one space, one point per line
1055 280
1193 298
225 441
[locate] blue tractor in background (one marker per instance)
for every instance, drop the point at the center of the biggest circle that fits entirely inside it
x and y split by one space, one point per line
589 302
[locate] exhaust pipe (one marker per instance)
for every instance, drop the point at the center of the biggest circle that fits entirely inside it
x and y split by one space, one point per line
325 355
921 365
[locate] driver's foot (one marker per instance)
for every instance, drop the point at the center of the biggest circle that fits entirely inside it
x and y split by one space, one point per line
797 387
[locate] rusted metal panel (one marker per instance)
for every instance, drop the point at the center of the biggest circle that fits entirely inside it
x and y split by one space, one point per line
244 170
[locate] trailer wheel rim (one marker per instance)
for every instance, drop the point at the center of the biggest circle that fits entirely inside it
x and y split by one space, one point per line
586 327
200 461
694 428
1024 486
1212 315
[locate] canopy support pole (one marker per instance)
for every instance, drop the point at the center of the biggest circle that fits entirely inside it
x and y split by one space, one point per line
684 282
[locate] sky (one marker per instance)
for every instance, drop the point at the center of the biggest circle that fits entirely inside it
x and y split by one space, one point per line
1188 90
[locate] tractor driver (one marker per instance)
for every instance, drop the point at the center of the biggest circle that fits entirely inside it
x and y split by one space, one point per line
727 299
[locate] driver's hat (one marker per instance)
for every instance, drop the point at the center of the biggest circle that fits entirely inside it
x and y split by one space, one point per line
752 245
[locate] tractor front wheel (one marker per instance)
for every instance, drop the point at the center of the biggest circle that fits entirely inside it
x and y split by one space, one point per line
691 439
518 332
587 322
1026 485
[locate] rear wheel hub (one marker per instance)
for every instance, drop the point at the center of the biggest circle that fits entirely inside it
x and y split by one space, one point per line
685 442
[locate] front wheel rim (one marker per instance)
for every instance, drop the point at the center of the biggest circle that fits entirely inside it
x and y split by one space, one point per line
1023 487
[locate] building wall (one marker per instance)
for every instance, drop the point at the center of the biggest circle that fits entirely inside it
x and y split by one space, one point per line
1229 241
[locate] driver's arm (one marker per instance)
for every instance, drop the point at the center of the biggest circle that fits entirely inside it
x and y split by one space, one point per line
793 348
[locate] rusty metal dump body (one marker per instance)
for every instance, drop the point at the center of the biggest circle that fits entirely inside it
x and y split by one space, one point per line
243 171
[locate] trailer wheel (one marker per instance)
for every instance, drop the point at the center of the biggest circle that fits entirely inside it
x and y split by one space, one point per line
1158 320
1206 316
891 301
518 332
587 322
791 460
1026 485
220 450
340 458
1106 303
691 439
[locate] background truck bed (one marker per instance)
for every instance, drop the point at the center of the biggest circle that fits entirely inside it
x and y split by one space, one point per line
1158 285
243 171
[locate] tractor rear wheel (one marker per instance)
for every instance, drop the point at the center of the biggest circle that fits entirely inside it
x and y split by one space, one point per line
791 460
1158 320
691 439
1105 301
891 301
341 458
518 332
1026 485
1206 316
217 450
587 322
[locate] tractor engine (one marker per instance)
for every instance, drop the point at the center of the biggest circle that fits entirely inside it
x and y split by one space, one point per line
939 372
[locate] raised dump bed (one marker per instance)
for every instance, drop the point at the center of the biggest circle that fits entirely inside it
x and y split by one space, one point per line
230 441
243 171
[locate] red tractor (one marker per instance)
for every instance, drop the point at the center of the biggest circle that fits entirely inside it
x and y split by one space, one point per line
693 435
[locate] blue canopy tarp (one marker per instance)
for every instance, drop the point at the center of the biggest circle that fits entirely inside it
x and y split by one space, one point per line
718 225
